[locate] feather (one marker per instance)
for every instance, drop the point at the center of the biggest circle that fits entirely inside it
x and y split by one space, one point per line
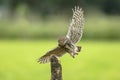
58 52
76 26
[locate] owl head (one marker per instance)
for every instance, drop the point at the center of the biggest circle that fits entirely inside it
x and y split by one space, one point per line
62 41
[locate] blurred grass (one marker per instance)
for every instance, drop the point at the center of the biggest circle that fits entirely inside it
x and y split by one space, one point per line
99 60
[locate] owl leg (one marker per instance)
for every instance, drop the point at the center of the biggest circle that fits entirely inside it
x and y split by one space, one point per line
72 49
72 54
77 50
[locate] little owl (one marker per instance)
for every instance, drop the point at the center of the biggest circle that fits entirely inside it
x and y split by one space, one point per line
67 43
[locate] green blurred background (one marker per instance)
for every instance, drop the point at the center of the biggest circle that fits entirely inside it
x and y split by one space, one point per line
29 28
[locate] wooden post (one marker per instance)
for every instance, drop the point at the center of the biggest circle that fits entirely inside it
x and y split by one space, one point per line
56 69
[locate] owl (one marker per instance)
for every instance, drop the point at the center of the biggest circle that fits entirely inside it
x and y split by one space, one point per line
66 44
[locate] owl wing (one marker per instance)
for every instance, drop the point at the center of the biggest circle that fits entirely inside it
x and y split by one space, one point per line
58 52
76 26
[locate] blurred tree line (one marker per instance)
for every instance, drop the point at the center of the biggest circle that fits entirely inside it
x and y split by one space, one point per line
46 7
97 25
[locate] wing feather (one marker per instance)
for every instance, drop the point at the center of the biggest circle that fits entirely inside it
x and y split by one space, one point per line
58 51
76 26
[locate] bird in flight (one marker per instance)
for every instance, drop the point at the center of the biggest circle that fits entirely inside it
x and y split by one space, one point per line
66 44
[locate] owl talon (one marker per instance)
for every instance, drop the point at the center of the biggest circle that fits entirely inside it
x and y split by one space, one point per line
73 56
76 53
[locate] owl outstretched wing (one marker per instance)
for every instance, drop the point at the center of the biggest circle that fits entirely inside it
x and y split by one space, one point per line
76 26
58 52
